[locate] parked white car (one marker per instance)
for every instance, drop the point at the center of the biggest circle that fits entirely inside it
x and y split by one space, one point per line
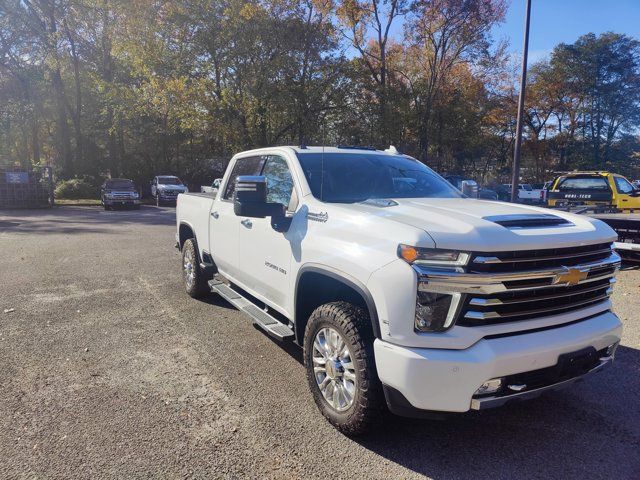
401 292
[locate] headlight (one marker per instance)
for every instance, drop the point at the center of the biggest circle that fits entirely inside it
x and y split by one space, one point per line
432 256
108 195
435 312
135 194
186 190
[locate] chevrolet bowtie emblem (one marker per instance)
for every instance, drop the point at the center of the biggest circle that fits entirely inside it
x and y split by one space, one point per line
572 276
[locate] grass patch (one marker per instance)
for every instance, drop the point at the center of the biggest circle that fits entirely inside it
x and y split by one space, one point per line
87 202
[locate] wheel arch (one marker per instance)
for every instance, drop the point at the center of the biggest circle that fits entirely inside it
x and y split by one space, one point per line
317 285
185 232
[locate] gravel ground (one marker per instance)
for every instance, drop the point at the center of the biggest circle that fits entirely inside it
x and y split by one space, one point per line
109 370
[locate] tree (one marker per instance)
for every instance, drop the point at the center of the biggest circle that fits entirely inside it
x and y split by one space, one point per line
603 73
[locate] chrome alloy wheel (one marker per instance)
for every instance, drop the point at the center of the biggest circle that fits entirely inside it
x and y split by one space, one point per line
333 369
188 268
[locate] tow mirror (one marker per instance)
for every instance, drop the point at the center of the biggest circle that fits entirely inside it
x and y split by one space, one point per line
250 198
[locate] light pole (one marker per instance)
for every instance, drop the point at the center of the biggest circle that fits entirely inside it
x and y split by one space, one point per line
515 177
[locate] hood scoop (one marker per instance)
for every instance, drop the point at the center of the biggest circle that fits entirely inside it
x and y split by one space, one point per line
380 202
539 220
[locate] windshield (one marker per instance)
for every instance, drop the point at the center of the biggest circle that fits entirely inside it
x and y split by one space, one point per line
356 177
169 181
119 184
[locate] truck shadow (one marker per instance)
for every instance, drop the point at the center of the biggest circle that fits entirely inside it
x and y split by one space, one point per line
591 430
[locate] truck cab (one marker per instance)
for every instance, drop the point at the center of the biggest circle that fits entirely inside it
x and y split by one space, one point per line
599 189
402 292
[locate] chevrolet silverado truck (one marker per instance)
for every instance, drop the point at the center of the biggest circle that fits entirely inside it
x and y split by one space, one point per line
403 293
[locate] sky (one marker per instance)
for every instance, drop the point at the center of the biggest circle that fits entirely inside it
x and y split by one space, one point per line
556 21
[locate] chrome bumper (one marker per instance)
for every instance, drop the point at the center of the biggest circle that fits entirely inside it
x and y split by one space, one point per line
492 402
446 281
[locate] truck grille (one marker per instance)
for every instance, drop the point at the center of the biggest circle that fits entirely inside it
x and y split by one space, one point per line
530 260
577 278
123 195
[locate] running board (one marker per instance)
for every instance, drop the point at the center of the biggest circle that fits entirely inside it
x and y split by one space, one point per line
262 319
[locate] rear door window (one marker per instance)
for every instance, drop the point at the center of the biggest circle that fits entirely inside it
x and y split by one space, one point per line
243 166
583 183
623 185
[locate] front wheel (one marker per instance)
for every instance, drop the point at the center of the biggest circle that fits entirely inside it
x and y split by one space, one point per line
341 371
194 280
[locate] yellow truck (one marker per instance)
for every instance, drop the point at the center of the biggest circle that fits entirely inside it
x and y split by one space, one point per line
605 189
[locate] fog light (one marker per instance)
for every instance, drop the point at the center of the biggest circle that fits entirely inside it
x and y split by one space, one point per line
490 386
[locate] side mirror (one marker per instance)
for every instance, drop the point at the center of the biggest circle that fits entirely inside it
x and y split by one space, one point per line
250 198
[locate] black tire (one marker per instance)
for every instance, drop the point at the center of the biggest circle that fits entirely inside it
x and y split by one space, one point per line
198 287
353 324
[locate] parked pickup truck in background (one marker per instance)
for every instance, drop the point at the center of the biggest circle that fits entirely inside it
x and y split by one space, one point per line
166 188
599 189
211 188
526 193
402 293
119 192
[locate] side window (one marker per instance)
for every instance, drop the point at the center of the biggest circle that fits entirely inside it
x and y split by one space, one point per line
279 181
623 185
243 166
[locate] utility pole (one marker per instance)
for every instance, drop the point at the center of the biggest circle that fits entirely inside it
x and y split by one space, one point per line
515 177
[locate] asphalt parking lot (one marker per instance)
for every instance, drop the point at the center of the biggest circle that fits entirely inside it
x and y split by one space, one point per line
107 369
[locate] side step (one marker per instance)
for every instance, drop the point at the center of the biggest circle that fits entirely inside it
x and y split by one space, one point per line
262 319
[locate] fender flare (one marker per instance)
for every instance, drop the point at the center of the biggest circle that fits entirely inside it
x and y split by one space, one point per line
348 280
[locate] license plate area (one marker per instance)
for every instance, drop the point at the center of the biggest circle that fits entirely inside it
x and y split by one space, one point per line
576 363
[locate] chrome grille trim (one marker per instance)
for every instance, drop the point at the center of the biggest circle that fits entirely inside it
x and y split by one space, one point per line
447 281
474 315
489 260
521 292
487 302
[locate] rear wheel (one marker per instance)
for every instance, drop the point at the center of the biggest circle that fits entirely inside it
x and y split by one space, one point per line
195 282
341 372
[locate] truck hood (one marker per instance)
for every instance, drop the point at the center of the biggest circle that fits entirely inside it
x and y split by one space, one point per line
168 186
469 224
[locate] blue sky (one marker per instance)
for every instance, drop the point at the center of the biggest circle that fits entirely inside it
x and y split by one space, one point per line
555 21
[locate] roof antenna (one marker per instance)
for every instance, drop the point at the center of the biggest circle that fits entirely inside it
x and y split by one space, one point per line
324 124
303 144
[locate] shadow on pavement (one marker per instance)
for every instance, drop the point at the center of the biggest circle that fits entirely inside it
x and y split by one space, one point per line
73 219
564 434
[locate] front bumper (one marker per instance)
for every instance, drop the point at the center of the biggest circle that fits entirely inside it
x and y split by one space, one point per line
446 380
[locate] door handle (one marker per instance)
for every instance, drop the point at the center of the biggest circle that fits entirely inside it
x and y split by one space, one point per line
247 223
215 214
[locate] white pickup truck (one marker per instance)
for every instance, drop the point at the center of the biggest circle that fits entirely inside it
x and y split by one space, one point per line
402 292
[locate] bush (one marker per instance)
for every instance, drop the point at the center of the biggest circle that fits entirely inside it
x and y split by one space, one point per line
75 188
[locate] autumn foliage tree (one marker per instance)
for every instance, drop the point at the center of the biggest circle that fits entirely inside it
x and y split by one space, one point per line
143 87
